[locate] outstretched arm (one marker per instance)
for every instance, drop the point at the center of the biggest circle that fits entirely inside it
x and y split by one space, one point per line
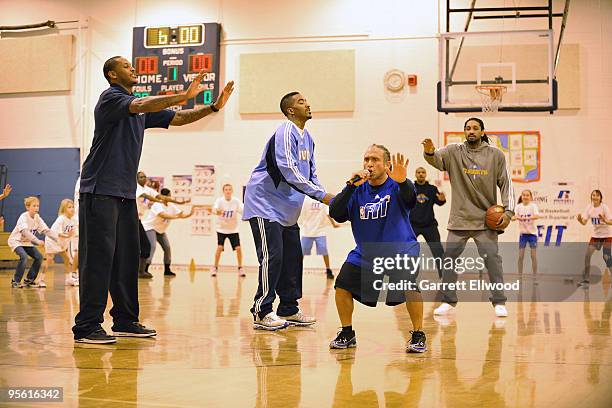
158 103
338 208
151 198
433 156
172 200
191 115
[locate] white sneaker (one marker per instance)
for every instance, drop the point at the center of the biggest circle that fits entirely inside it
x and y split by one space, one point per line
213 271
501 311
499 323
443 320
443 309
270 322
300 319
70 281
42 284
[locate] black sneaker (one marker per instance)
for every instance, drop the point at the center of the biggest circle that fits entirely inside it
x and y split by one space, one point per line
418 342
329 273
97 337
134 329
145 275
29 283
344 340
169 273
17 285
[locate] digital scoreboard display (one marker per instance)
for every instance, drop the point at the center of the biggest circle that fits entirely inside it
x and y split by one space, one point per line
167 59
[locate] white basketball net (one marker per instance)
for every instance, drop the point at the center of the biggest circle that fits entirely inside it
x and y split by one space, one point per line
490 97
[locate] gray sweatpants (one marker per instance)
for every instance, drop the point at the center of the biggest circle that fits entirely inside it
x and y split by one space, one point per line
486 242
153 236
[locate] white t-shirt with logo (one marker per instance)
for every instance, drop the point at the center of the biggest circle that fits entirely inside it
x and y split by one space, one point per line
152 220
142 203
227 221
62 225
313 219
600 228
529 210
25 222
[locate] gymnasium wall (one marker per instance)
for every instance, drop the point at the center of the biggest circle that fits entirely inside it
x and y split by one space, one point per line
384 35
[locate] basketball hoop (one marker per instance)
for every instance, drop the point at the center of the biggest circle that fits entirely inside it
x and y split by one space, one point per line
491 96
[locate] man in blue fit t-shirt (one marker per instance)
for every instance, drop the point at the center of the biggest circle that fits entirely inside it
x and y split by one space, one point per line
378 206
108 219
272 204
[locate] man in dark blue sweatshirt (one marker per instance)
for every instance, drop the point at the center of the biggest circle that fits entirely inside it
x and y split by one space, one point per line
422 217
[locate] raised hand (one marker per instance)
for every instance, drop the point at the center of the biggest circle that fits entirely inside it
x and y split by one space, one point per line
428 146
6 191
194 88
224 96
399 168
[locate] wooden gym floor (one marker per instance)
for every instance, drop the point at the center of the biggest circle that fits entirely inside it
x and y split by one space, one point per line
207 354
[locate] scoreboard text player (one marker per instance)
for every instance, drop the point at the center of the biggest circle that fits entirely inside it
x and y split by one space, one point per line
167 58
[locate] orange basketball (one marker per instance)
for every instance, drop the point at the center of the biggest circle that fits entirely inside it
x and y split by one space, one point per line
494 213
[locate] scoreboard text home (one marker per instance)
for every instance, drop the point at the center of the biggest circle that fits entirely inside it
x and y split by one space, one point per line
167 58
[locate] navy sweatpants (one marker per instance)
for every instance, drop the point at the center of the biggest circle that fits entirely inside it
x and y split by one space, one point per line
432 237
280 267
108 261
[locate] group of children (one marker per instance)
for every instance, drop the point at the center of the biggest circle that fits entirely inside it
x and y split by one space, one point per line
597 213
62 240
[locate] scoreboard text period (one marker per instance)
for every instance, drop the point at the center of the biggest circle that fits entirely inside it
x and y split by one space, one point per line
167 59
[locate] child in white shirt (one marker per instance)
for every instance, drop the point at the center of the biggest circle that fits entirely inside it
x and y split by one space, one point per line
22 241
228 210
155 224
65 226
526 213
601 218
314 221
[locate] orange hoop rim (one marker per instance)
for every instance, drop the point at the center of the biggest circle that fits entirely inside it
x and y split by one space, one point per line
488 90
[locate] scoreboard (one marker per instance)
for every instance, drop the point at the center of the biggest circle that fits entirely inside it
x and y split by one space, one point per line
168 58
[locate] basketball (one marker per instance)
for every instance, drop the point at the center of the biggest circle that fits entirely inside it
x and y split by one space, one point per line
494 213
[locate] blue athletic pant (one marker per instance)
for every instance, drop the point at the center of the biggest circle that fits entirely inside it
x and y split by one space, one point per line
280 267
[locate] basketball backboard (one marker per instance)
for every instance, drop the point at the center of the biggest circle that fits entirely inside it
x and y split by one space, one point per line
522 61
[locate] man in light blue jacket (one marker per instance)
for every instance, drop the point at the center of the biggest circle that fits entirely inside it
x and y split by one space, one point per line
272 204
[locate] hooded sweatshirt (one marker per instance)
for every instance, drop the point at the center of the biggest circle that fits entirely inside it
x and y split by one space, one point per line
475 174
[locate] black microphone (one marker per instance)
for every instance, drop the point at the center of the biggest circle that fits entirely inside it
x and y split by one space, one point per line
355 179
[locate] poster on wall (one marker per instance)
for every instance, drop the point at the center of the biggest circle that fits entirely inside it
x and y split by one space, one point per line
558 207
522 151
203 180
156 183
202 220
181 187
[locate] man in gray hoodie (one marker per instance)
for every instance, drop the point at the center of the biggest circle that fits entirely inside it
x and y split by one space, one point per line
475 170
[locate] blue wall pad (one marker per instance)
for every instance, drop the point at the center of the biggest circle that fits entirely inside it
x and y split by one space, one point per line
49 174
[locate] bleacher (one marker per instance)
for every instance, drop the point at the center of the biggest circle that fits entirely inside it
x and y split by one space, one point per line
5 252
